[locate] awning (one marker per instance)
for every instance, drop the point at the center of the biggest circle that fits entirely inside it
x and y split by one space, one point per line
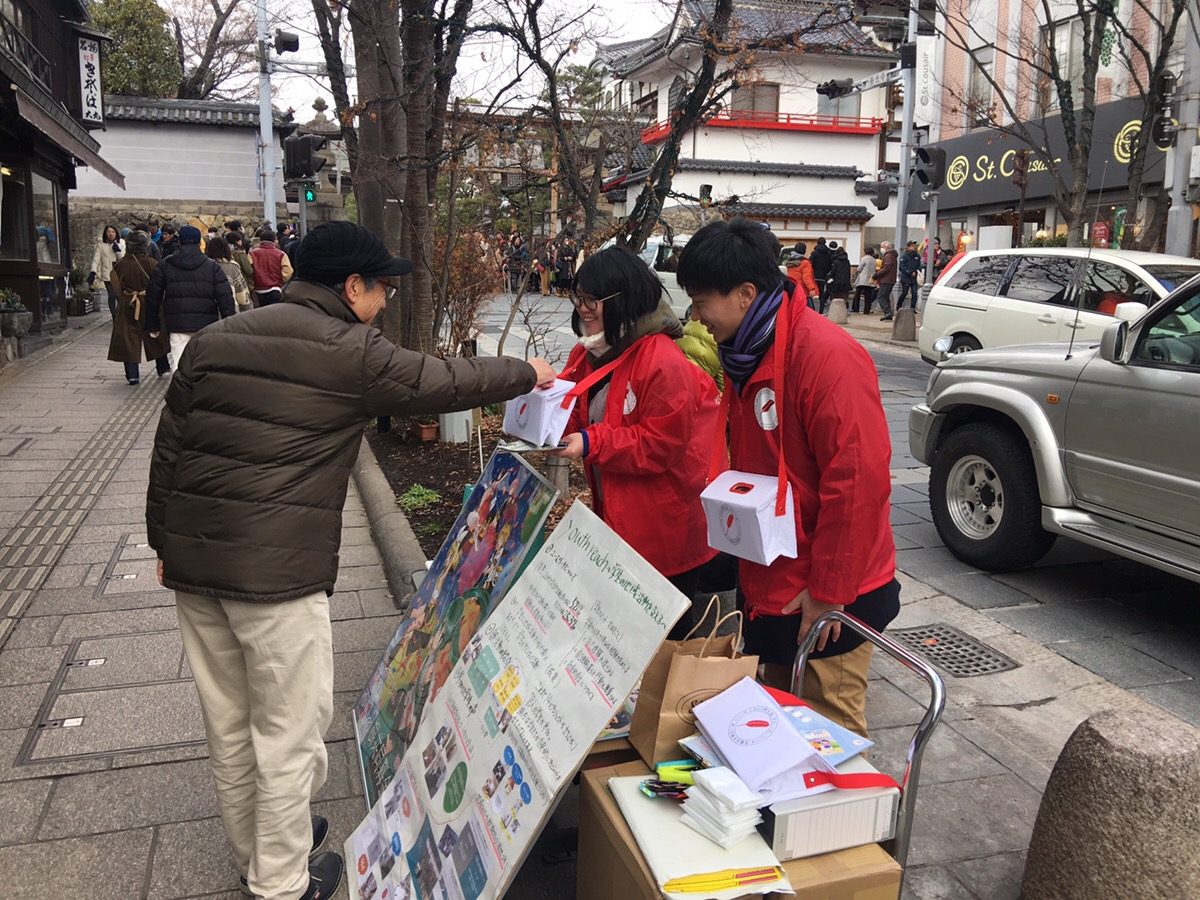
32 113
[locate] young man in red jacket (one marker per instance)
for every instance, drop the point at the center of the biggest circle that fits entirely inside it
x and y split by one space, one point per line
837 454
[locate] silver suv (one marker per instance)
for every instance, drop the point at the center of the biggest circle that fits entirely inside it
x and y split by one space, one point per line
1101 444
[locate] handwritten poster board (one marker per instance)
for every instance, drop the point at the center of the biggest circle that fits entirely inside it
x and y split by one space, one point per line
525 701
473 569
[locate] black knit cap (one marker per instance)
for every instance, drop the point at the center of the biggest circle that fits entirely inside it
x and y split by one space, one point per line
333 251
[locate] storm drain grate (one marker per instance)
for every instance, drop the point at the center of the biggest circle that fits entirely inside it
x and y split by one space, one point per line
950 649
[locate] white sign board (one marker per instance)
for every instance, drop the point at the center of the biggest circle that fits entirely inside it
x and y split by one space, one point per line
927 91
531 692
91 97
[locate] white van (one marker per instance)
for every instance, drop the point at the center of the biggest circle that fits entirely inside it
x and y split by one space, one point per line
995 297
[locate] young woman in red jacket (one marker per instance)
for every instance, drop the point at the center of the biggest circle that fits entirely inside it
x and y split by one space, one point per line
836 449
644 430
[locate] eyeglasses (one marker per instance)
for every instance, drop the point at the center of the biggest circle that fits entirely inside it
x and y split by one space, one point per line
590 303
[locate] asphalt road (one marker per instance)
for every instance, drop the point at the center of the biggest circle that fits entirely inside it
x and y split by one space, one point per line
1129 623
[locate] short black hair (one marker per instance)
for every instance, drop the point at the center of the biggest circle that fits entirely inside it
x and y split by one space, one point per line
801 248
619 271
722 255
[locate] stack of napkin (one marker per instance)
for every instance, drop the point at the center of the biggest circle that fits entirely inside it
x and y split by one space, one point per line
721 807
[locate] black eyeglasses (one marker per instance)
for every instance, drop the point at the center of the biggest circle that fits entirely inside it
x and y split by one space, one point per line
590 303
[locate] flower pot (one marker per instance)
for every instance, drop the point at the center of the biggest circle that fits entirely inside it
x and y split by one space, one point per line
15 324
427 431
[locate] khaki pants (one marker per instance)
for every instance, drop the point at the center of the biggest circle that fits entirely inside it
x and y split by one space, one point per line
264 672
835 686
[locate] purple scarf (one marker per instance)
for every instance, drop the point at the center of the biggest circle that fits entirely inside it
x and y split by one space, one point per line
741 356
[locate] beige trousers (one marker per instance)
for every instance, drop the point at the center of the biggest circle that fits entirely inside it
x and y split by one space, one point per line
264 672
178 342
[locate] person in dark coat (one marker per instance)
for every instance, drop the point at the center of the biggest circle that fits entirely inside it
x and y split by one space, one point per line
839 272
908 267
187 292
258 435
130 277
821 259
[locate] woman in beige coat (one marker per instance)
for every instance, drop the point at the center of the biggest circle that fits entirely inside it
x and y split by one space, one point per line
110 249
129 279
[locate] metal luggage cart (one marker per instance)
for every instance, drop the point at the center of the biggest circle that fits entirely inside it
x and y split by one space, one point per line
898 845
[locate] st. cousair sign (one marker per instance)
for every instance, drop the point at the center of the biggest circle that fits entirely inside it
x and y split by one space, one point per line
980 166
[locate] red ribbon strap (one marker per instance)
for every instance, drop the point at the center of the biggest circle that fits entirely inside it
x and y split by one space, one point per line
850 780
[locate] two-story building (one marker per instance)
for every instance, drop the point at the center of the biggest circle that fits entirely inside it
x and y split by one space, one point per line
776 151
50 99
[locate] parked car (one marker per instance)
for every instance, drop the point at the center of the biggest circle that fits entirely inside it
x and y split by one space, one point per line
1101 444
993 298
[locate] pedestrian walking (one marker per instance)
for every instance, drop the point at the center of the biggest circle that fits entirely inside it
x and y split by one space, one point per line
800 270
864 283
885 277
152 247
289 242
518 263
830 426
909 267
244 510
186 293
272 268
821 259
130 280
110 249
545 267
839 273
241 255
168 243
644 430
218 251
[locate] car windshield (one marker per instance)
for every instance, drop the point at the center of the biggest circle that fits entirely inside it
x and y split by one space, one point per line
1172 277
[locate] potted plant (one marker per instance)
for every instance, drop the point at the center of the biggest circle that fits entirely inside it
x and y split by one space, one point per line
427 431
15 319
80 294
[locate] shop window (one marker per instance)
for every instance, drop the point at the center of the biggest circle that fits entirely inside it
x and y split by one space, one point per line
979 91
45 220
14 214
1065 41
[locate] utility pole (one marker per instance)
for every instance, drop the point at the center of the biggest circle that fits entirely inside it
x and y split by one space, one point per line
266 124
909 81
1179 216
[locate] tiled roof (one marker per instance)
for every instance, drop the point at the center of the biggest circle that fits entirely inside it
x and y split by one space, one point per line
820 27
800 211
750 167
188 112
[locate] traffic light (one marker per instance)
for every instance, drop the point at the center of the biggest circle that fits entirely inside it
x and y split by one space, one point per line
895 95
930 167
838 87
310 194
300 159
286 41
883 195
705 196
908 56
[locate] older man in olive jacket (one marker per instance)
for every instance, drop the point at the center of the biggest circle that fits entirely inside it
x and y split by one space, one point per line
262 424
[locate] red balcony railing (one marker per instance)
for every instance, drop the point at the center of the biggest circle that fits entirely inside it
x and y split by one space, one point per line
769 121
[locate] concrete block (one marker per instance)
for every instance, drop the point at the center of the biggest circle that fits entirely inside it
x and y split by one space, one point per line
904 325
837 311
1121 814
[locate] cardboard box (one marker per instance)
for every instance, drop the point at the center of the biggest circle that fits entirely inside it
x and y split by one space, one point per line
740 511
834 820
611 867
539 416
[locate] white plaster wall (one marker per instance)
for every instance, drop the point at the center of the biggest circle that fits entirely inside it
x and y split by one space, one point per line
180 162
771 188
761 145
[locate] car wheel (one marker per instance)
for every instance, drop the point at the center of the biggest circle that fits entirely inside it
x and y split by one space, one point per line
983 494
964 343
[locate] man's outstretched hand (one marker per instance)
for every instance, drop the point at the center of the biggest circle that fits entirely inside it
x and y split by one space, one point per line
545 372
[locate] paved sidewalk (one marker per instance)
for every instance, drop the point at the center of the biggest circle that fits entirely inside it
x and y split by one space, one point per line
104 791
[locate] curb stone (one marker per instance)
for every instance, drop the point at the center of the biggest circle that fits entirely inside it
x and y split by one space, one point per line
403 558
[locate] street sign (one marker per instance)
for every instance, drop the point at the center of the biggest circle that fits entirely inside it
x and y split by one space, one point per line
879 79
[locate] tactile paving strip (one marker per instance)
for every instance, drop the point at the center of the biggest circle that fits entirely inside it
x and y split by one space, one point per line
30 549
948 648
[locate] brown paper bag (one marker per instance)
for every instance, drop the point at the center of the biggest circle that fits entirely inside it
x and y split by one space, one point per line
682 674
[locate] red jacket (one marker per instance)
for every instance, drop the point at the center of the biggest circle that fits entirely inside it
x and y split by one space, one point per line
652 450
838 455
801 272
268 266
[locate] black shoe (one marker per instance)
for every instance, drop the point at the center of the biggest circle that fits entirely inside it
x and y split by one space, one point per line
324 876
133 381
886 318
320 831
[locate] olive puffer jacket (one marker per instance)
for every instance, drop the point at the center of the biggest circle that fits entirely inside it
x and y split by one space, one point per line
187 292
262 424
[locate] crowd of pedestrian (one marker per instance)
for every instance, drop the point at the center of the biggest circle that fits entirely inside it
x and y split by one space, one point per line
549 269
169 281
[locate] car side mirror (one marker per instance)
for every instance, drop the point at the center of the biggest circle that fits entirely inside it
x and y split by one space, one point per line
1114 339
1130 311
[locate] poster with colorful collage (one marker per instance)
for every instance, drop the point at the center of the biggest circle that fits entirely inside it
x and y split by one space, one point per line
501 519
524 702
